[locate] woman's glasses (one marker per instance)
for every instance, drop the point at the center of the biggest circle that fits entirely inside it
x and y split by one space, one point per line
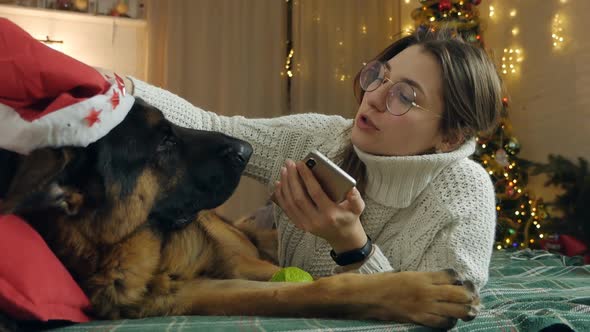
401 96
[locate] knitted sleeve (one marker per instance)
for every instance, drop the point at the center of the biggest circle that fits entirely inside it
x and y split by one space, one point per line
466 242
273 140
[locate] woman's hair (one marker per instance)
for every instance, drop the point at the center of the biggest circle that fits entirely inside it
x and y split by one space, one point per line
472 90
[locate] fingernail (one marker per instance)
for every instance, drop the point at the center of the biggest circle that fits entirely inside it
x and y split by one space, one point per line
290 163
283 170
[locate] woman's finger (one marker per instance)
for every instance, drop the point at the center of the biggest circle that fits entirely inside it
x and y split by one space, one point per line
288 204
279 199
298 191
354 202
313 187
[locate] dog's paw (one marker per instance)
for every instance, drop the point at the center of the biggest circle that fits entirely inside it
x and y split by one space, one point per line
461 292
439 299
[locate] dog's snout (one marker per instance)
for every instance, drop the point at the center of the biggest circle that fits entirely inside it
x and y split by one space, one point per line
238 153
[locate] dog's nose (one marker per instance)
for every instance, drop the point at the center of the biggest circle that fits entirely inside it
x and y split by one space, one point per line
238 153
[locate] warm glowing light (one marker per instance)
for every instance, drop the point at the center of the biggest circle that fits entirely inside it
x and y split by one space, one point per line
557 32
512 57
408 29
288 64
515 31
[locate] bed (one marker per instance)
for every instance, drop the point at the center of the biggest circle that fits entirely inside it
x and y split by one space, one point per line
528 290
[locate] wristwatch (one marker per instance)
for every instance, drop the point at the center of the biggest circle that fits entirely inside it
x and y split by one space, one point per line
353 256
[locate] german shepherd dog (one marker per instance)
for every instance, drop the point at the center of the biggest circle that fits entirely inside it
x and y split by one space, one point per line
128 216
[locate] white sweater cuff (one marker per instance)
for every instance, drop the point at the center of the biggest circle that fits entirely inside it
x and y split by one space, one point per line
139 87
377 262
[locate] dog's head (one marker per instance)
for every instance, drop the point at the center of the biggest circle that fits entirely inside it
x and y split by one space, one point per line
145 170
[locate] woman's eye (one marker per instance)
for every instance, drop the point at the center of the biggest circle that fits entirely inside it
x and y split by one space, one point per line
404 98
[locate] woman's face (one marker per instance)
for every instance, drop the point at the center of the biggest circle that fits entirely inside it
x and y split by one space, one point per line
378 132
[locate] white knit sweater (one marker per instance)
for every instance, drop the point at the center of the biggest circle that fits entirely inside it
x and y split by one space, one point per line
424 213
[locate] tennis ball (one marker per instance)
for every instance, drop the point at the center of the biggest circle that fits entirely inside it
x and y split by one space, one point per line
291 274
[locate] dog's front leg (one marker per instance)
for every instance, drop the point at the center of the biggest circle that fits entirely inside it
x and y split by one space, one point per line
427 298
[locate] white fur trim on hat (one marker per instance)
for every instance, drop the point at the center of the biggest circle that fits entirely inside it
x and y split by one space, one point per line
69 126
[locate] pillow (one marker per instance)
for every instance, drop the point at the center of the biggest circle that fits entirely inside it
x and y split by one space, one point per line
34 285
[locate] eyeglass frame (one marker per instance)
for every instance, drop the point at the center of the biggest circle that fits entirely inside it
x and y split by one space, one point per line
383 80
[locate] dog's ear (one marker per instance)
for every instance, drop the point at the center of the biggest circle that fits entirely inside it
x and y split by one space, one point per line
30 183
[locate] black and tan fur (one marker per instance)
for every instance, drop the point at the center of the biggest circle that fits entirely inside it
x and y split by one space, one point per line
129 217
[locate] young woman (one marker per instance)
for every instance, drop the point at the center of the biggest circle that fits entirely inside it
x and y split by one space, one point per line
420 204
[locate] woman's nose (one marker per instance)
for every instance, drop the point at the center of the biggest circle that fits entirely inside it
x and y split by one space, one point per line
377 98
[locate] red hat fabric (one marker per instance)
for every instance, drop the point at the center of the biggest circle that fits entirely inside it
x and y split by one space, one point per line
34 284
48 99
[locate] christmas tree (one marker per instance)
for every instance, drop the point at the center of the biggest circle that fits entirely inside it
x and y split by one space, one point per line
460 15
520 214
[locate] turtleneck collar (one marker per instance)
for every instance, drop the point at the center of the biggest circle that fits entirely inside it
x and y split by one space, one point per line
397 181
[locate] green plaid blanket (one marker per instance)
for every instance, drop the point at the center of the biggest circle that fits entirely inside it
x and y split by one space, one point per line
527 291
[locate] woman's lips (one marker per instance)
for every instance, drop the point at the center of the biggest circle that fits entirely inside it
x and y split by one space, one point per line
365 123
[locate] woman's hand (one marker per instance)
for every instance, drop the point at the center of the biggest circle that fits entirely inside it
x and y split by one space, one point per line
308 207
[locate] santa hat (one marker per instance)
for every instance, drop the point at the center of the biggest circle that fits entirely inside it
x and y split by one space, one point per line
48 99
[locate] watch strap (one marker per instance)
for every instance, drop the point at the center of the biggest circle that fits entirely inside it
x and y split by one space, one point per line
353 256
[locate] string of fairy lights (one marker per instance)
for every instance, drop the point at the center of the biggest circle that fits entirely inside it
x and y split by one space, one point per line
520 214
511 59
524 225
557 31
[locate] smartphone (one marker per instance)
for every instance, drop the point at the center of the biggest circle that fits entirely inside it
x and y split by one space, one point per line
334 181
